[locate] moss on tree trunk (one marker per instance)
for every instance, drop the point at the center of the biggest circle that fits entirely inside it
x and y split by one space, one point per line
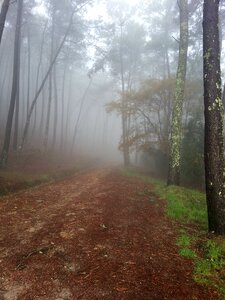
176 130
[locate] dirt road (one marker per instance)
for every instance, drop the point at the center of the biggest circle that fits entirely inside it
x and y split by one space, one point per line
93 236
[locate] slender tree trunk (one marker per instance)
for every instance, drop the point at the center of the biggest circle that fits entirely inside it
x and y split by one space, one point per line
28 68
3 14
79 115
41 128
68 109
55 109
5 150
126 154
26 128
46 136
23 92
37 80
40 57
63 108
16 121
214 116
5 78
176 134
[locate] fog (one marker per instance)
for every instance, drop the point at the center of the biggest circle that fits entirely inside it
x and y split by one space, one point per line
97 77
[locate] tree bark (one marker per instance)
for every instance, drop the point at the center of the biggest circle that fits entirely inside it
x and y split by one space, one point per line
16 70
214 116
176 130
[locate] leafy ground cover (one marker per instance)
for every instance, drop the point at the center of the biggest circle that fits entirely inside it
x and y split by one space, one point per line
95 235
188 208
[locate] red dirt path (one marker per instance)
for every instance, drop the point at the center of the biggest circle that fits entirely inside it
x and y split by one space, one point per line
92 236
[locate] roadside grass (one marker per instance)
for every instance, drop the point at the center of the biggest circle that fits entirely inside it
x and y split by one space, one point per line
188 208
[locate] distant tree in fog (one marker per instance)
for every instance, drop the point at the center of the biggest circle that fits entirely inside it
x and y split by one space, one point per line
50 77
49 70
15 85
124 56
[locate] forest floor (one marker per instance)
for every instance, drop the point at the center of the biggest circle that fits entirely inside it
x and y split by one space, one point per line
94 235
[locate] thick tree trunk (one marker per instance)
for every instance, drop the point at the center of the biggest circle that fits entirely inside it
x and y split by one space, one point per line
5 150
214 115
176 130
3 14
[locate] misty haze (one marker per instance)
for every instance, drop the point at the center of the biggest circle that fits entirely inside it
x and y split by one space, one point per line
112 170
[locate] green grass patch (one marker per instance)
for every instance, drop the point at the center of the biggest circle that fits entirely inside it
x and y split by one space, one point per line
184 242
188 207
184 205
187 252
